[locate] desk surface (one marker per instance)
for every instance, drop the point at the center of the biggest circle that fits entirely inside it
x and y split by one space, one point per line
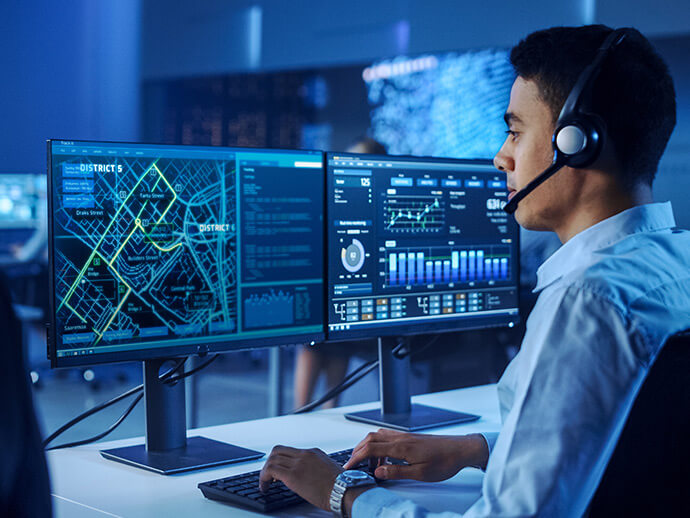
86 485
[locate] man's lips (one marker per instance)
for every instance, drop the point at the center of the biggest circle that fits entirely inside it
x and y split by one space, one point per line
511 192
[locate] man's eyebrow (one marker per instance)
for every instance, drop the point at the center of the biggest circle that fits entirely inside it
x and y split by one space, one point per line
511 117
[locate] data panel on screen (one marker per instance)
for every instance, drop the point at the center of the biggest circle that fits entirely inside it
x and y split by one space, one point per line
418 244
181 249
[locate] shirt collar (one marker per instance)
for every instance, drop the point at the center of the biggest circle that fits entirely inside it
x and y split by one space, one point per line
573 254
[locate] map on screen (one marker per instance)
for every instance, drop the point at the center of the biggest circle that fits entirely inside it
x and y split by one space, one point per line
147 246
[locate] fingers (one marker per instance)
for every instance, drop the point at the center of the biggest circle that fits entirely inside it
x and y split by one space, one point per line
284 450
399 471
355 458
382 434
377 450
309 473
277 465
272 470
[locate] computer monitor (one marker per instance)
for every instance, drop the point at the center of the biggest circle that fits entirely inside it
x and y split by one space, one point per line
160 251
417 245
22 207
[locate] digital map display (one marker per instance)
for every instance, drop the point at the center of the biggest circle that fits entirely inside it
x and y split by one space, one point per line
159 246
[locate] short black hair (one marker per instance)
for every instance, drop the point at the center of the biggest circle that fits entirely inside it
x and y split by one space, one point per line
633 94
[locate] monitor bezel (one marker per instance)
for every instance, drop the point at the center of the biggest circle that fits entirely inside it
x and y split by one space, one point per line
432 326
175 351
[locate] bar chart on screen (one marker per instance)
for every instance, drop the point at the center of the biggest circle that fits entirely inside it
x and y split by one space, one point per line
446 265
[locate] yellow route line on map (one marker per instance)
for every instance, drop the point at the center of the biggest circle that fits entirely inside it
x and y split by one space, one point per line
117 310
88 261
171 201
137 224
137 220
75 312
170 249
128 237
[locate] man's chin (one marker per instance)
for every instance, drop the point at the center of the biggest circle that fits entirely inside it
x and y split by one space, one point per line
526 219
529 222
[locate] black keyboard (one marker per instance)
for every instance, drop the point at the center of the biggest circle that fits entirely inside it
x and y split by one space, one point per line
243 489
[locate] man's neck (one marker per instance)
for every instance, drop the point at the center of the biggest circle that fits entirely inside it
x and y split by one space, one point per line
600 204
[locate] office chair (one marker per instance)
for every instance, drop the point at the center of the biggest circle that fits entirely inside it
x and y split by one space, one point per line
649 471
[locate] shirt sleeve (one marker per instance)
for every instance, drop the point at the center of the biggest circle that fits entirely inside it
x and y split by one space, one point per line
580 374
490 438
578 378
381 503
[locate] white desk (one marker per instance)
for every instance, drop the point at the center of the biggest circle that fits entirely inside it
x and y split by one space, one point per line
86 485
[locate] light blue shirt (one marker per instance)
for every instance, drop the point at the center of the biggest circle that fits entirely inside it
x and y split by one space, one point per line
609 298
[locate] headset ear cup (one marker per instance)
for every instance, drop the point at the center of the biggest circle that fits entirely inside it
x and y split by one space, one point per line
595 128
570 139
591 127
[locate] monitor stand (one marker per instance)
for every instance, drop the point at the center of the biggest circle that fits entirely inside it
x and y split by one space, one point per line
397 410
167 449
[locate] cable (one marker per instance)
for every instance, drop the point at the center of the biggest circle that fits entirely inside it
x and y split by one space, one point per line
332 392
168 377
424 347
193 371
88 413
352 381
347 382
102 434
400 351
102 406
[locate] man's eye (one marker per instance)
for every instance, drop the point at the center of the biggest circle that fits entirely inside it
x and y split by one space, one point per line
513 134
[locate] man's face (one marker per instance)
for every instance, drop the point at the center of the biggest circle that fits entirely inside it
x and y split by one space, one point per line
526 152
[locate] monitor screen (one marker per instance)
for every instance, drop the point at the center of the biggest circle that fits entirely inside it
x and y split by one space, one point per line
418 245
21 199
160 250
22 210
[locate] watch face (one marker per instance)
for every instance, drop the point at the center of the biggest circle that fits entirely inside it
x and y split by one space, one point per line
356 475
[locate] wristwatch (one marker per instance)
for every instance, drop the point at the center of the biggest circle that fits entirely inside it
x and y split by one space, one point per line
344 481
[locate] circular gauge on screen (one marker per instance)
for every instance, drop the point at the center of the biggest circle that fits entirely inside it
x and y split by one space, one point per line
353 256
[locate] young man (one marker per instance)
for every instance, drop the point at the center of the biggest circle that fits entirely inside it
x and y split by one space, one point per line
609 298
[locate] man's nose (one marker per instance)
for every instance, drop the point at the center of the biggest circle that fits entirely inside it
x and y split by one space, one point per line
503 162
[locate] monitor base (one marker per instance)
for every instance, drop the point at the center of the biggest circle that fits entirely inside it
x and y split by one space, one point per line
420 417
199 453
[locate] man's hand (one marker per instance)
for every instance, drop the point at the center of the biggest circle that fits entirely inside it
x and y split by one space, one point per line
309 473
429 458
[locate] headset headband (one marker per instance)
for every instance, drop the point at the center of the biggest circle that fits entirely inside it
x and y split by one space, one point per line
589 74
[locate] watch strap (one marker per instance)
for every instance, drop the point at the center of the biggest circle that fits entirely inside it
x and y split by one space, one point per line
342 484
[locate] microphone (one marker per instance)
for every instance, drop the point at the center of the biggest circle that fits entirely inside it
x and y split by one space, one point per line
555 166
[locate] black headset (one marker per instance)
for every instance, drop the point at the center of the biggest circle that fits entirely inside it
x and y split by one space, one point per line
579 135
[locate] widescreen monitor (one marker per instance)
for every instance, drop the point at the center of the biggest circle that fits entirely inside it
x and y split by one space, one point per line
418 245
21 199
22 211
161 250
